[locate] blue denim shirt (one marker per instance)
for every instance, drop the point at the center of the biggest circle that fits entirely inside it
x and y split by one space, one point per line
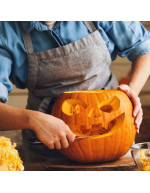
122 38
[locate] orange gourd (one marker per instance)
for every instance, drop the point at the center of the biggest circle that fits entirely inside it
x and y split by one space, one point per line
105 112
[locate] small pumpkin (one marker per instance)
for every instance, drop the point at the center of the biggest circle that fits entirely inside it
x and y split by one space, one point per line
104 112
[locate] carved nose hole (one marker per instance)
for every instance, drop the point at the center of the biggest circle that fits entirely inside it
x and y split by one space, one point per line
94 113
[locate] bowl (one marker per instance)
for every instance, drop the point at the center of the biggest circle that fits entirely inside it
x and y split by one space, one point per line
141 155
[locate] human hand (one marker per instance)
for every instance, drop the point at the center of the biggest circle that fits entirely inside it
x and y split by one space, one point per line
53 132
137 111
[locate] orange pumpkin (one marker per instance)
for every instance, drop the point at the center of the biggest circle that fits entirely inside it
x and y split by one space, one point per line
105 112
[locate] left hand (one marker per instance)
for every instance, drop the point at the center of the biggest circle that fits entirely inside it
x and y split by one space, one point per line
137 111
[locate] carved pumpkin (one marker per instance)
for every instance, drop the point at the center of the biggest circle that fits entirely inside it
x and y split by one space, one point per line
105 112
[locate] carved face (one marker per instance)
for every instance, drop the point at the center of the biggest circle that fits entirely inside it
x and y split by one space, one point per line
92 115
105 112
98 118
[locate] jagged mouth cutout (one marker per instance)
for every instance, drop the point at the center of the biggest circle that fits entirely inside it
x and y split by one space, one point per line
72 107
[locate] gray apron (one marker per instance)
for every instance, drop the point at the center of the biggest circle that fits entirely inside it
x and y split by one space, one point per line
80 65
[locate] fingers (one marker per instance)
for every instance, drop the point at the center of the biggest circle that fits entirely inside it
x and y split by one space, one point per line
138 119
57 144
130 93
134 98
137 106
50 145
67 138
53 132
62 140
137 111
70 136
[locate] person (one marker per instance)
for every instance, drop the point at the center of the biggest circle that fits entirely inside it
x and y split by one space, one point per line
50 57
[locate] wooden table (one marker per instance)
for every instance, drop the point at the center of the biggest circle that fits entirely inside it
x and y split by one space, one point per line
123 164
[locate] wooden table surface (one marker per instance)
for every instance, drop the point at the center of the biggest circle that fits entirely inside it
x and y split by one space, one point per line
123 164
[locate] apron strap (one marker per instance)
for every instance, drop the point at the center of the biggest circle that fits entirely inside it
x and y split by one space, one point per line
47 105
27 41
90 25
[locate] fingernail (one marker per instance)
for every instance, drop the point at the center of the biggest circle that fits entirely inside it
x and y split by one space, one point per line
134 114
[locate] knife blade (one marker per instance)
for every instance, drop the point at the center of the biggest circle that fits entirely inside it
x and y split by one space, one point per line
37 141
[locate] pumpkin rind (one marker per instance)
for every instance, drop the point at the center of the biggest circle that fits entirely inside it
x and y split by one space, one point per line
109 146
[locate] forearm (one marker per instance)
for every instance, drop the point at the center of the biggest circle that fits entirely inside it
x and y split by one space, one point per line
140 73
12 118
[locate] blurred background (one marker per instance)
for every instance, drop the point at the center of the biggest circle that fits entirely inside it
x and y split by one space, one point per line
121 68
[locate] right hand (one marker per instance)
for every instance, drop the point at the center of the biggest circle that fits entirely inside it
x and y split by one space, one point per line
137 111
53 132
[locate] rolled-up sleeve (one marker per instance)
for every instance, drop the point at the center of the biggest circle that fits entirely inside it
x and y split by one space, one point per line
131 39
3 93
143 48
5 71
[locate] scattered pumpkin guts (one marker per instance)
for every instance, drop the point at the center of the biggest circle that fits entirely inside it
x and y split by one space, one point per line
9 157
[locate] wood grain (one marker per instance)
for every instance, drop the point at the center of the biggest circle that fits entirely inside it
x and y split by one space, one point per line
123 164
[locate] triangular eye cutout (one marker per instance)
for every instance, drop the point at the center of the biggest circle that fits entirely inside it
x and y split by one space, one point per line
110 105
73 106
